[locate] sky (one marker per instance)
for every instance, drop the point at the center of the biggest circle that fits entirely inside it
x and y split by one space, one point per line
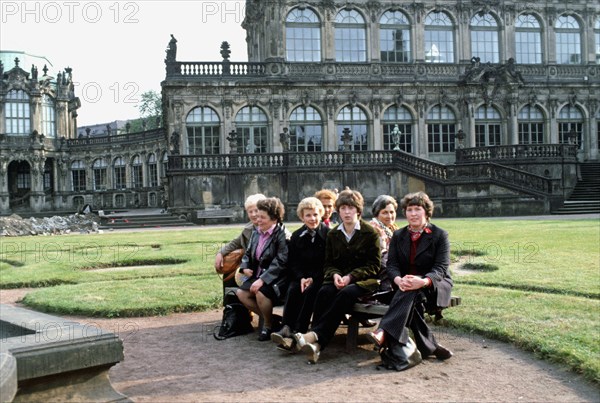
117 48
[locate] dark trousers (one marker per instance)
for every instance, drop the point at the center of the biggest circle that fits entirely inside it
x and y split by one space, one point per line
407 311
331 306
299 306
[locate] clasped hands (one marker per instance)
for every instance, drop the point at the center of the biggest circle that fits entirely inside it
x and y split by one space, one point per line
340 282
410 282
257 284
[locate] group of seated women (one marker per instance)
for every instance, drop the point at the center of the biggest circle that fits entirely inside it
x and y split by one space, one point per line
322 270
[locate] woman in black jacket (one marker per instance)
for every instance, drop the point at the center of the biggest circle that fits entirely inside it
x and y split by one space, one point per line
264 264
305 268
418 261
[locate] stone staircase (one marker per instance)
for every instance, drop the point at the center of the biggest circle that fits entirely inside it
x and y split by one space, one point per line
141 218
585 198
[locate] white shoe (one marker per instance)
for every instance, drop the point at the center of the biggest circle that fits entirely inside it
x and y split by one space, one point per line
313 350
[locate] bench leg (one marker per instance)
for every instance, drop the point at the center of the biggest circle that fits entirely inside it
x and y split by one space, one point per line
352 336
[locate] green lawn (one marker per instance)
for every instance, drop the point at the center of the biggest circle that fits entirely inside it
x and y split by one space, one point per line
533 283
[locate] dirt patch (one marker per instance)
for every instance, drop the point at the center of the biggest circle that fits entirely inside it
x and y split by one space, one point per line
175 358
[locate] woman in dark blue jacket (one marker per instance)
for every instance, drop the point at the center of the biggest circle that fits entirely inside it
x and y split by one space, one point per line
264 264
418 261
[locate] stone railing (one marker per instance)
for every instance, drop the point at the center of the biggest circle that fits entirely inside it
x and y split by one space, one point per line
363 160
516 152
148 135
215 69
370 70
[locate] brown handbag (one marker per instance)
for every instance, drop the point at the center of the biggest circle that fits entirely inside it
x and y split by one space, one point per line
231 262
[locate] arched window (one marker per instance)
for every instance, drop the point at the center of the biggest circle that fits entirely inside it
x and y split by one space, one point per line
528 39
48 116
395 37
484 38
119 174
100 178
570 125
488 127
152 171
439 38
137 179
251 123
354 119
441 129
78 176
306 129
400 138
597 36
568 40
302 36
531 125
350 37
203 131
16 113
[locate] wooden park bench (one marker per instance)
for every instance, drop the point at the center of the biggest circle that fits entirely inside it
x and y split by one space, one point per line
371 310
215 214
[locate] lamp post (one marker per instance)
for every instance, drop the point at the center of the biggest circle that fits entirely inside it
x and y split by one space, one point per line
396 137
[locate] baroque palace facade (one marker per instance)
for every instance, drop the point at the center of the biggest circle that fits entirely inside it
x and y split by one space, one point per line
489 106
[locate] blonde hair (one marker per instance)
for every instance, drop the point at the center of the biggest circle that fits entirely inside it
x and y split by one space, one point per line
311 203
253 199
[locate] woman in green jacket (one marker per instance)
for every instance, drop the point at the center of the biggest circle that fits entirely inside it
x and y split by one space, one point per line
352 261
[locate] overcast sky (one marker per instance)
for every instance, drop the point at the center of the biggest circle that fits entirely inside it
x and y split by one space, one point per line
117 48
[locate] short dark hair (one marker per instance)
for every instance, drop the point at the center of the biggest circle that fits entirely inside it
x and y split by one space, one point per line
349 197
381 202
273 207
417 199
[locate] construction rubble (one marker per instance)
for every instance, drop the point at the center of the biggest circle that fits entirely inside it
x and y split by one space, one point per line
15 225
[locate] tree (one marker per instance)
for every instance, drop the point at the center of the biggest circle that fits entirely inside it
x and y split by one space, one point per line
150 107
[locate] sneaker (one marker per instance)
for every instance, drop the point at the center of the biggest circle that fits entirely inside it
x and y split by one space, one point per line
313 350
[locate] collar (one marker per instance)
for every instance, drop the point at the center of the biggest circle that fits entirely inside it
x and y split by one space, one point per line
267 232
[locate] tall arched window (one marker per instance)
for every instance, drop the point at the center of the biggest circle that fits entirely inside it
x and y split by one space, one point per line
568 40
441 129
531 125
484 38
78 176
100 178
306 129
488 127
570 125
597 36
395 37
400 117
302 36
152 171
16 113
350 37
354 119
203 131
251 123
528 39
439 38
48 116
119 174
137 179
